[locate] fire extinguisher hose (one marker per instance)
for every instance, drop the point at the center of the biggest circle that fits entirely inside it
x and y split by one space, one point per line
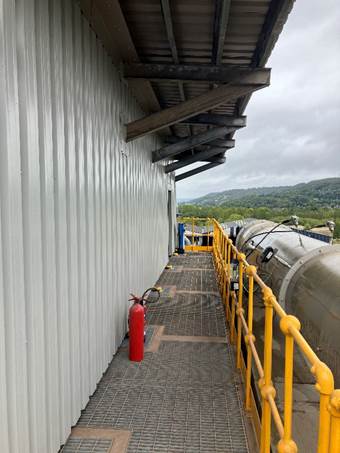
148 291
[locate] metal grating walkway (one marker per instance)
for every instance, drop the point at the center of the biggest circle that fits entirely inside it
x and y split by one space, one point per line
184 397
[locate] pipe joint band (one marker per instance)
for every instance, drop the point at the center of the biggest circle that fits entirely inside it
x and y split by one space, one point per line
287 322
267 391
251 271
241 257
324 378
268 297
249 338
287 446
334 404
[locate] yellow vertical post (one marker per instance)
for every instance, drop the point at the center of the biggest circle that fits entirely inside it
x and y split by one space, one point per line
224 273
334 409
251 270
239 310
265 384
228 279
232 317
214 240
222 259
193 234
229 258
216 243
221 254
208 226
286 444
325 386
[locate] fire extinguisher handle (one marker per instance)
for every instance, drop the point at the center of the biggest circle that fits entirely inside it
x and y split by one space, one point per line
134 298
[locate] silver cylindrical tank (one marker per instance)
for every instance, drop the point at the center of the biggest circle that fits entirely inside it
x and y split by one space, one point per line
304 274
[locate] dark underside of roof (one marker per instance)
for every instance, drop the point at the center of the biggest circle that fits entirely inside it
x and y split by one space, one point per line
192 65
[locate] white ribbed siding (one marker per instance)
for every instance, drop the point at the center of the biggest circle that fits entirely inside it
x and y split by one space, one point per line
83 219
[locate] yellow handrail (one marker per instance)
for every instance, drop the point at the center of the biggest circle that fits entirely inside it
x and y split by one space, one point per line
191 222
329 410
329 414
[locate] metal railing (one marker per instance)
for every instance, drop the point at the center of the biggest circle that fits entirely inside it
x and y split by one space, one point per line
203 223
329 409
240 319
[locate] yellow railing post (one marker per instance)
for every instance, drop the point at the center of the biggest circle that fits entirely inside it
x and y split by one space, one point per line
286 444
225 274
239 310
334 409
325 386
265 384
251 270
193 234
228 279
207 227
232 317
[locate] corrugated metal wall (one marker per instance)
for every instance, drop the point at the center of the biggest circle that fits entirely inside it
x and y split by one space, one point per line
83 219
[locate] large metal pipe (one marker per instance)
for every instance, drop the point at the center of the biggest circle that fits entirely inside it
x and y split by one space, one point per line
304 274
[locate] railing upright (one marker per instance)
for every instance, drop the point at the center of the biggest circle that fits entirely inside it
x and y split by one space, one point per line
232 317
265 384
334 409
249 337
286 444
239 310
228 272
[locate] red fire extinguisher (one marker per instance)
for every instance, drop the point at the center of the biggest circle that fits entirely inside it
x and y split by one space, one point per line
136 330
137 325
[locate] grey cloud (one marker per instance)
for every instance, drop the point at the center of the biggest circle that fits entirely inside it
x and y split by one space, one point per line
293 132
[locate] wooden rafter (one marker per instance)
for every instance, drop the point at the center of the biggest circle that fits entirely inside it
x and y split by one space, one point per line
222 10
205 167
166 11
190 142
217 120
184 72
202 155
256 80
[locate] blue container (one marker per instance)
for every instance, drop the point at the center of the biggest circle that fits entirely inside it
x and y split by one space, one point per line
181 230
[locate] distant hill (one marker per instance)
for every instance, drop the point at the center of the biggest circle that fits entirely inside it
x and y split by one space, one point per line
314 194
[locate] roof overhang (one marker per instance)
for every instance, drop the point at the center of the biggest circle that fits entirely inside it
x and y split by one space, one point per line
192 66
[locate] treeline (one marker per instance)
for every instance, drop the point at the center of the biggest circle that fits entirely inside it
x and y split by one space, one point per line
311 195
308 217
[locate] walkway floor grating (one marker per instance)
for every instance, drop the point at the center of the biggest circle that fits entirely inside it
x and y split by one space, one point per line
185 397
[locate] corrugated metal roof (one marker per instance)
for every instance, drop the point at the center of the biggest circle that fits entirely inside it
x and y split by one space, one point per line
251 28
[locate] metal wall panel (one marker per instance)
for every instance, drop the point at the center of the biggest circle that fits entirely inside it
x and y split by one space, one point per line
83 219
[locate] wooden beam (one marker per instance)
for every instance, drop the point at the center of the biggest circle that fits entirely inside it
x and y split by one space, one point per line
219 143
107 20
215 158
188 143
222 10
166 11
203 155
184 72
217 120
170 139
256 80
169 29
195 171
276 17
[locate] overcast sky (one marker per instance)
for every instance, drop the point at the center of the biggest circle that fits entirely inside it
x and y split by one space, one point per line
293 131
